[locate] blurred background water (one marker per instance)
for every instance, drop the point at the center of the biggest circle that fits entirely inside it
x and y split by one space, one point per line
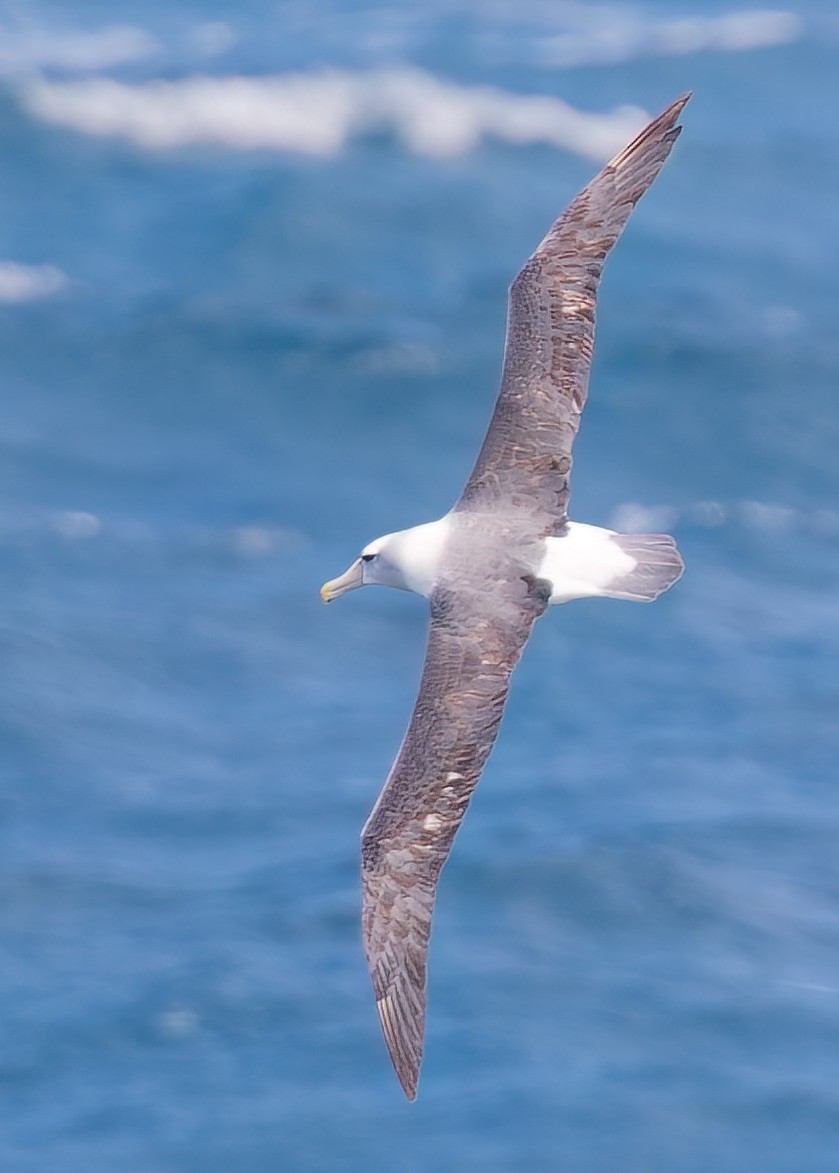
248 325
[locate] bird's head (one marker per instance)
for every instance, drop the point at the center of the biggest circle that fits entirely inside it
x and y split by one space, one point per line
407 560
375 564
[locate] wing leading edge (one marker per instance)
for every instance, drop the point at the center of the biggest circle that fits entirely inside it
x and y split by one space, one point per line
524 465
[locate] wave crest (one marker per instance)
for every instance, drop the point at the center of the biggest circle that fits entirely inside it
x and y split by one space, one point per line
318 113
627 35
20 282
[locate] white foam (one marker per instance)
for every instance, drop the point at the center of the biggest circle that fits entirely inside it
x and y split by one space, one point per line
708 514
318 113
763 516
622 33
256 541
22 52
177 1023
632 518
19 282
75 524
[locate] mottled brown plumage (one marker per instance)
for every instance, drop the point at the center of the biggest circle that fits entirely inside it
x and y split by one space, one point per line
525 460
486 602
473 646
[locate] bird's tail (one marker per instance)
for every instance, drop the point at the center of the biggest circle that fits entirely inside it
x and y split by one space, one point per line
658 565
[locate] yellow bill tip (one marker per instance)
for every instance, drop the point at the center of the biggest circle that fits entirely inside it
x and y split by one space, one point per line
348 581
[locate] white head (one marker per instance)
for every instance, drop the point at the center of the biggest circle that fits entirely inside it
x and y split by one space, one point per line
408 560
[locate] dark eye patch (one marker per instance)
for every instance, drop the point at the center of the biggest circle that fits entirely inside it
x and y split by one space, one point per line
367 557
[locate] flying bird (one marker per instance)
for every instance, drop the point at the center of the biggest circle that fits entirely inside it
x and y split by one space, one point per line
489 568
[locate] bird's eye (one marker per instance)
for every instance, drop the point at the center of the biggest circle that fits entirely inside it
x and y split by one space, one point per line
367 557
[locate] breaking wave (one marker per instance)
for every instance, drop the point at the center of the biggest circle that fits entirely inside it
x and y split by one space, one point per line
766 517
20 282
623 33
319 113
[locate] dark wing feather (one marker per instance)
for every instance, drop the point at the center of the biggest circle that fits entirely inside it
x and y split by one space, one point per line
525 462
472 649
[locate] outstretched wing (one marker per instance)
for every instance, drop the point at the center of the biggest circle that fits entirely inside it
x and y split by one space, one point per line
472 650
525 462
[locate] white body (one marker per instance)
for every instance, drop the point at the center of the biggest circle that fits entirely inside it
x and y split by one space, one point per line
587 561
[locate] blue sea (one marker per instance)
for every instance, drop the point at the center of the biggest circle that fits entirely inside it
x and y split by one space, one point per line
253 271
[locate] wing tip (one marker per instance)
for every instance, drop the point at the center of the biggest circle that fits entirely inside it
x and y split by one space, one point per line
663 128
653 143
680 102
673 112
406 1059
669 115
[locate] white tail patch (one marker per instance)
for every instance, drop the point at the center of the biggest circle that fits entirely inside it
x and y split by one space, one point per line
588 561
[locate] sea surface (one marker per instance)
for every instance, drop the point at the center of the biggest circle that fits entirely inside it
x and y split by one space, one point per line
253 271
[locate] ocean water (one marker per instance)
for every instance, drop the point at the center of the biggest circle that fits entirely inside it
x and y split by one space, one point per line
253 265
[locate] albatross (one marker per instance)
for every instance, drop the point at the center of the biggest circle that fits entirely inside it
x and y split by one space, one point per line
490 568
